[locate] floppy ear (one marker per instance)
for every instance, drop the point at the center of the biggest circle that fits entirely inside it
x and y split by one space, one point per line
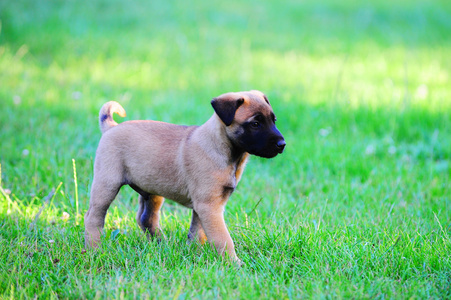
266 99
261 94
225 107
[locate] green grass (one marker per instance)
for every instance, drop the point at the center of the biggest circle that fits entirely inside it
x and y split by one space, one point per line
358 206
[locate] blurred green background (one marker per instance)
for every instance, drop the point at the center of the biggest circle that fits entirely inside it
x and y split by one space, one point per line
372 74
361 90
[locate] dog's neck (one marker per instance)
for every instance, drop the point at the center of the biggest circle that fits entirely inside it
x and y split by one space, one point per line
214 133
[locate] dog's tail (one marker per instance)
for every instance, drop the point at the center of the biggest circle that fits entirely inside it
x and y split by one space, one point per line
106 115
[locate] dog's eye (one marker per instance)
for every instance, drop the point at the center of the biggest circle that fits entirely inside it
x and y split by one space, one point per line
274 119
255 124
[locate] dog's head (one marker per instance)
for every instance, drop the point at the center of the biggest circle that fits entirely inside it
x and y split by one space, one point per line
250 122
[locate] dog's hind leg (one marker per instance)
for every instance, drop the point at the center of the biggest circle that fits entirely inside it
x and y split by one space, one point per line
148 216
102 194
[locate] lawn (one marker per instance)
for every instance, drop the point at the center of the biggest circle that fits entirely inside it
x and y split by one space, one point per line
358 206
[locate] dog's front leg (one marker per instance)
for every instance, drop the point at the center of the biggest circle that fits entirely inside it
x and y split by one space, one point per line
148 216
211 216
195 230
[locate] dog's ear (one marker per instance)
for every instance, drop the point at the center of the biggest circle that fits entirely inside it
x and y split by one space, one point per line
261 94
225 107
266 99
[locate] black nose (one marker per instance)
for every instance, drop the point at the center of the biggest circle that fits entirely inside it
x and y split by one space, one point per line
281 145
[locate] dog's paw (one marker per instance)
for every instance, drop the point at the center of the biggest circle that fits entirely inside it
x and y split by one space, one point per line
240 263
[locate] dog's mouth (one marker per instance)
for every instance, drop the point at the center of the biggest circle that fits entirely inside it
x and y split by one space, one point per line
261 145
270 152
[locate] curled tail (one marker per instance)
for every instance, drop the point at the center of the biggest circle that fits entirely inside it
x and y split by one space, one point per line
106 115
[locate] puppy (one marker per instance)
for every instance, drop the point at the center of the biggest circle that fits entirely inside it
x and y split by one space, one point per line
196 166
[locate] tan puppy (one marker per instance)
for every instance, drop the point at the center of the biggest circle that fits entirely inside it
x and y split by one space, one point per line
196 166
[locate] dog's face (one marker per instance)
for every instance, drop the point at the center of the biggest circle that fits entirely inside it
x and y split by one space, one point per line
250 122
